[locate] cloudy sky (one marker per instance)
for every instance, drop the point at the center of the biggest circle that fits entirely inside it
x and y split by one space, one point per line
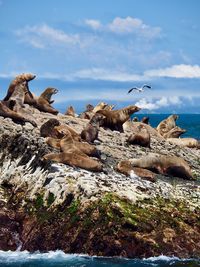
95 50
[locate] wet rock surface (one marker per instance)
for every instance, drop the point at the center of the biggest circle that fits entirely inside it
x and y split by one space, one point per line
48 206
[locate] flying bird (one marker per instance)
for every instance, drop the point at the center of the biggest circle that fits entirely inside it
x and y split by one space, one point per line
140 89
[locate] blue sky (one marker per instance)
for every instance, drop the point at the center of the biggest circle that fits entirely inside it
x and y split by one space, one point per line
96 50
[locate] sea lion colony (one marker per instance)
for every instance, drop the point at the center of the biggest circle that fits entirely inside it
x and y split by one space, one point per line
78 149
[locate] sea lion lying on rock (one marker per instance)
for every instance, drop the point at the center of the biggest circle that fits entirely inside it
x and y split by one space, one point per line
125 167
47 129
130 126
70 111
166 125
90 132
75 159
115 118
166 165
140 137
174 132
184 142
64 130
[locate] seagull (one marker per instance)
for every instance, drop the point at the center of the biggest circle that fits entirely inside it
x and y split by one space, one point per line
139 89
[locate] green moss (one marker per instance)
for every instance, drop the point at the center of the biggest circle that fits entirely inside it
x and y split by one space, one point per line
50 199
39 202
74 207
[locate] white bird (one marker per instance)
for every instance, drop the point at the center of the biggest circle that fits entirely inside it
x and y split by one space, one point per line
140 89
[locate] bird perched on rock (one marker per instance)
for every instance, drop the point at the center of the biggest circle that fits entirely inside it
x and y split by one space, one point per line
139 89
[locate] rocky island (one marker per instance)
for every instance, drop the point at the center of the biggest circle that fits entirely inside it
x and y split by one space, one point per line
121 210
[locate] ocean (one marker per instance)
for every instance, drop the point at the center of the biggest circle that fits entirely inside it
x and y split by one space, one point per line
60 259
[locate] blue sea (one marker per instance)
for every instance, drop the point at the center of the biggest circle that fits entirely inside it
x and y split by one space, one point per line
60 259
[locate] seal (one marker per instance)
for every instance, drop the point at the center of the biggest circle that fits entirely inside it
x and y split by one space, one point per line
24 77
115 118
140 137
125 167
130 126
166 165
166 125
65 130
174 132
47 94
16 103
43 103
91 131
184 142
70 112
99 106
145 120
80 160
47 129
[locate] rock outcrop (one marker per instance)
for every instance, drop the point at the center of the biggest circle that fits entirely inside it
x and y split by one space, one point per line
48 206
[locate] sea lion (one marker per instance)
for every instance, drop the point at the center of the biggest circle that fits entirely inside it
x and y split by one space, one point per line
184 142
90 132
24 77
130 126
64 130
166 165
6 112
145 120
115 118
125 167
86 115
47 94
44 100
76 159
140 137
47 129
89 108
109 107
16 102
166 125
99 106
174 132
70 111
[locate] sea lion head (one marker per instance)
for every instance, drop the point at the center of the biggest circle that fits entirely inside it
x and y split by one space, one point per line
174 117
89 108
47 129
26 76
98 119
52 90
132 109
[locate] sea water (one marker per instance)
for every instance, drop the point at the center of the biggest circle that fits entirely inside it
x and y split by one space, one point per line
60 259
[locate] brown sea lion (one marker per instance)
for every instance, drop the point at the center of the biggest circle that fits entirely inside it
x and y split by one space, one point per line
166 165
130 126
16 102
47 129
125 167
174 132
86 115
70 111
145 120
99 106
7 112
90 132
184 142
44 100
75 159
115 118
24 77
166 125
64 130
89 108
47 94
140 137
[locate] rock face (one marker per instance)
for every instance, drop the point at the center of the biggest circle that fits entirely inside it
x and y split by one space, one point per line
47 206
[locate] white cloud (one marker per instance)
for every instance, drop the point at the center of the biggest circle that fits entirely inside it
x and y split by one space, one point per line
158 103
176 71
94 24
126 25
44 36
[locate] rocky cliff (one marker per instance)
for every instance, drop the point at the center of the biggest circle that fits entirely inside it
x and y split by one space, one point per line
48 206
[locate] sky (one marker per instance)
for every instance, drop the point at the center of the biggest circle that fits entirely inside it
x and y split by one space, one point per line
96 51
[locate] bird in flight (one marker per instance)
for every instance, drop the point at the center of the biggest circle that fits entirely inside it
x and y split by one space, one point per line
140 89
